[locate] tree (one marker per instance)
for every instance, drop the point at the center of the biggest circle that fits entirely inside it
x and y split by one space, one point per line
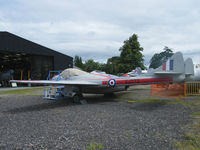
112 65
78 62
91 65
131 56
159 58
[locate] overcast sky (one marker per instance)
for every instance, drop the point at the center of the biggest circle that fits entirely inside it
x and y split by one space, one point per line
97 28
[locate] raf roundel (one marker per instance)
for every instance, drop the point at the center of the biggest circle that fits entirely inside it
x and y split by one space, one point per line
111 82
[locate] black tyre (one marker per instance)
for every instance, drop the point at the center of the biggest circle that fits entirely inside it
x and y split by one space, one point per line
77 98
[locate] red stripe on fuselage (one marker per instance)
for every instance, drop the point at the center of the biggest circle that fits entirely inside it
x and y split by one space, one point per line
104 82
102 75
134 81
152 80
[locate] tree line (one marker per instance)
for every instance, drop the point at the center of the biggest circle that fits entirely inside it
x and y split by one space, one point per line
130 57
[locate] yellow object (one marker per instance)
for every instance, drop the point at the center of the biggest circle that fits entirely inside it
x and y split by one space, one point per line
21 74
192 88
28 75
131 101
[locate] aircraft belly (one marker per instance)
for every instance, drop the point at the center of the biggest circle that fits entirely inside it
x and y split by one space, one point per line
103 90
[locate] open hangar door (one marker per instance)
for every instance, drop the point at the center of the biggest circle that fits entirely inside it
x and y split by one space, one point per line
40 66
15 61
25 66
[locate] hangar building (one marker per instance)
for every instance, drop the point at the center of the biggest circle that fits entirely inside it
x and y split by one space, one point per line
28 59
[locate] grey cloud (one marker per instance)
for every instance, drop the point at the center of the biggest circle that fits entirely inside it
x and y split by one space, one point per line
97 29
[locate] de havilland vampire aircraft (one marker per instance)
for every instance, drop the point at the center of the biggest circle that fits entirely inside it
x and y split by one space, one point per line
75 82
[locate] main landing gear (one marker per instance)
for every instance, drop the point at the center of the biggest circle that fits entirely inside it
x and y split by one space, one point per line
78 98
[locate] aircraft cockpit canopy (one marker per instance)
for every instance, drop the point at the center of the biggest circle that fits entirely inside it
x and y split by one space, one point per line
71 72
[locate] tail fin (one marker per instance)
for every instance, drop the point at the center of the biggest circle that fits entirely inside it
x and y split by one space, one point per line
138 70
189 67
133 73
174 65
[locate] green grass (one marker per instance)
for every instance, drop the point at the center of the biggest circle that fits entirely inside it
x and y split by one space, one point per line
151 101
196 114
128 134
95 146
28 91
190 142
192 135
177 101
144 101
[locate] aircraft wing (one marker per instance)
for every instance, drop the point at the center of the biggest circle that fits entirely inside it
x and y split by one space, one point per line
53 82
166 73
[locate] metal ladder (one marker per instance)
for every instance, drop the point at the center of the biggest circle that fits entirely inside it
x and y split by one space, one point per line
53 93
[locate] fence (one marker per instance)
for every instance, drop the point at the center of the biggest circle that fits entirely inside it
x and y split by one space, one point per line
175 89
192 88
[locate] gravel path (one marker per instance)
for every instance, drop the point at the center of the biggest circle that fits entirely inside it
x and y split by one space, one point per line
29 122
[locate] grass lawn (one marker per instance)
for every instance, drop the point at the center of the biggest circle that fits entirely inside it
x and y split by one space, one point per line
192 135
28 91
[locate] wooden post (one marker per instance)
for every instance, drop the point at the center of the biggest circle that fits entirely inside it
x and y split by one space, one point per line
29 75
21 74
185 89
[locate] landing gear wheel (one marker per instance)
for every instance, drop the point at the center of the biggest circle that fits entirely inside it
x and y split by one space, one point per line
77 98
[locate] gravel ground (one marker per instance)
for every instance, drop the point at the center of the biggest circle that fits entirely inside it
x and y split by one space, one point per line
29 122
